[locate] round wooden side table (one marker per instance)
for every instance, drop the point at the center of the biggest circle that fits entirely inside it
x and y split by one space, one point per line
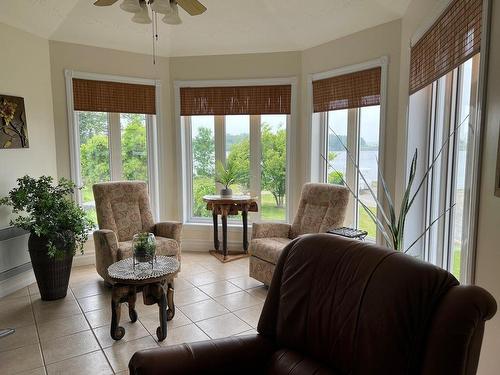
128 280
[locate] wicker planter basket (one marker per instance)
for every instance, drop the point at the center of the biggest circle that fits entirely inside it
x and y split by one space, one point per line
52 275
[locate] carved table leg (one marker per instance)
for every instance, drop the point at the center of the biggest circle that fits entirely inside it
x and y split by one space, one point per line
170 302
120 294
132 296
216 230
154 293
244 216
224 234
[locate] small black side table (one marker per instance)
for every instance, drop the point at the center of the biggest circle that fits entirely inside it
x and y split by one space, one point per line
349 233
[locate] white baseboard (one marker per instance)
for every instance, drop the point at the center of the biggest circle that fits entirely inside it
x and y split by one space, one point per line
207 245
14 283
84 260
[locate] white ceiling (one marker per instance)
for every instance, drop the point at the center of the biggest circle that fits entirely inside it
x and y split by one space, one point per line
229 26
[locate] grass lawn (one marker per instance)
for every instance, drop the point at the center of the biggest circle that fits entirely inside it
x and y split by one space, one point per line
366 223
268 209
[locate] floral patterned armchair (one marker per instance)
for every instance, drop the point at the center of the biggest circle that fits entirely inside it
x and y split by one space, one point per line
322 207
123 210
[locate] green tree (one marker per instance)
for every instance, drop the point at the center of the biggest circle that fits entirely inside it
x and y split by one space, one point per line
274 162
91 124
134 151
239 156
204 153
94 157
202 186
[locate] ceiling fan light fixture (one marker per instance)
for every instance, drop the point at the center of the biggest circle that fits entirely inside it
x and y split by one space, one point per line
131 6
161 6
142 16
173 18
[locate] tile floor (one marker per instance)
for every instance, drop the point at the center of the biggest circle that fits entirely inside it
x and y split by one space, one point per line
71 336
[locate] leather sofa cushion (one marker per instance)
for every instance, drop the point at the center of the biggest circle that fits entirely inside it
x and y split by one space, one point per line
164 246
269 249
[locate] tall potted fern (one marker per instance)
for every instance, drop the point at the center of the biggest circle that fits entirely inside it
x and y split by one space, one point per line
58 228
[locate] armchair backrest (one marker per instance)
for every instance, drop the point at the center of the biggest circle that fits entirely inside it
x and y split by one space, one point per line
123 207
362 309
321 207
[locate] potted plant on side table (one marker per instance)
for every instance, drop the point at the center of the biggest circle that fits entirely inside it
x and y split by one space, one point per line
58 228
226 176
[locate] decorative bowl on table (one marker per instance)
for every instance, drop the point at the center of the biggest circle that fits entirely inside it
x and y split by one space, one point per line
144 248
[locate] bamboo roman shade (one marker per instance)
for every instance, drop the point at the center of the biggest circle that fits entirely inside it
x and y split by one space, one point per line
118 97
241 100
453 39
353 90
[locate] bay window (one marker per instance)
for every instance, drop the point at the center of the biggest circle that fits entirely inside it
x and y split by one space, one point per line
112 137
247 126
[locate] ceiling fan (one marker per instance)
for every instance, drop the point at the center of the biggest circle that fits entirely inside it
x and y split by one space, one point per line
169 8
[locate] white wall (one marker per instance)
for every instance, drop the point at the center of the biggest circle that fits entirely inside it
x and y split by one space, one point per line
25 72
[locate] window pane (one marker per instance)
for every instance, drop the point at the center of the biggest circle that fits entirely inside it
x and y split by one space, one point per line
203 145
337 139
462 166
273 172
238 150
134 147
369 125
94 156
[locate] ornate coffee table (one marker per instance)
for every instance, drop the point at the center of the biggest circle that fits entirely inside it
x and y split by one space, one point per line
128 281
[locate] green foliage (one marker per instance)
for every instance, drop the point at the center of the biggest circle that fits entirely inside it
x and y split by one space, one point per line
274 163
202 186
92 124
336 178
204 153
144 245
134 150
50 213
94 160
239 156
227 175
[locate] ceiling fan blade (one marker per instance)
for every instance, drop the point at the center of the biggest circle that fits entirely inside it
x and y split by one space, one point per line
193 7
104 3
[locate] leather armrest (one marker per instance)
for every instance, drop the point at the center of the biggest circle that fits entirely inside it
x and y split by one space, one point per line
232 355
169 229
271 230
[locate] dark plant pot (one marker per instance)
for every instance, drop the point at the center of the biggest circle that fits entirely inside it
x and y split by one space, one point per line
52 275
226 193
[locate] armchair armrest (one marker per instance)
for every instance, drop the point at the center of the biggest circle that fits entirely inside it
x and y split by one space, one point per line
232 355
269 230
169 229
106 250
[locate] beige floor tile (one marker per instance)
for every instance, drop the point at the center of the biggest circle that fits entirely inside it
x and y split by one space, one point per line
24 292
119 355
188 296
69 346
181 284
50 310
151 321
190 269
23 336
219 288
246 333
204 278
90 289
102 317
21 359
238 301
259 292
250 315
203 310
245 282
37 371
33 289
56 328
223 326
133 331
15 313
97 302
184 334
91 363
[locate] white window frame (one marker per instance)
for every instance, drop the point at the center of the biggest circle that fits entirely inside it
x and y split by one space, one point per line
468 260
114 134
316 129
185 157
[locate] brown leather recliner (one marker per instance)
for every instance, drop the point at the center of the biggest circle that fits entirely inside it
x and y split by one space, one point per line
336 306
